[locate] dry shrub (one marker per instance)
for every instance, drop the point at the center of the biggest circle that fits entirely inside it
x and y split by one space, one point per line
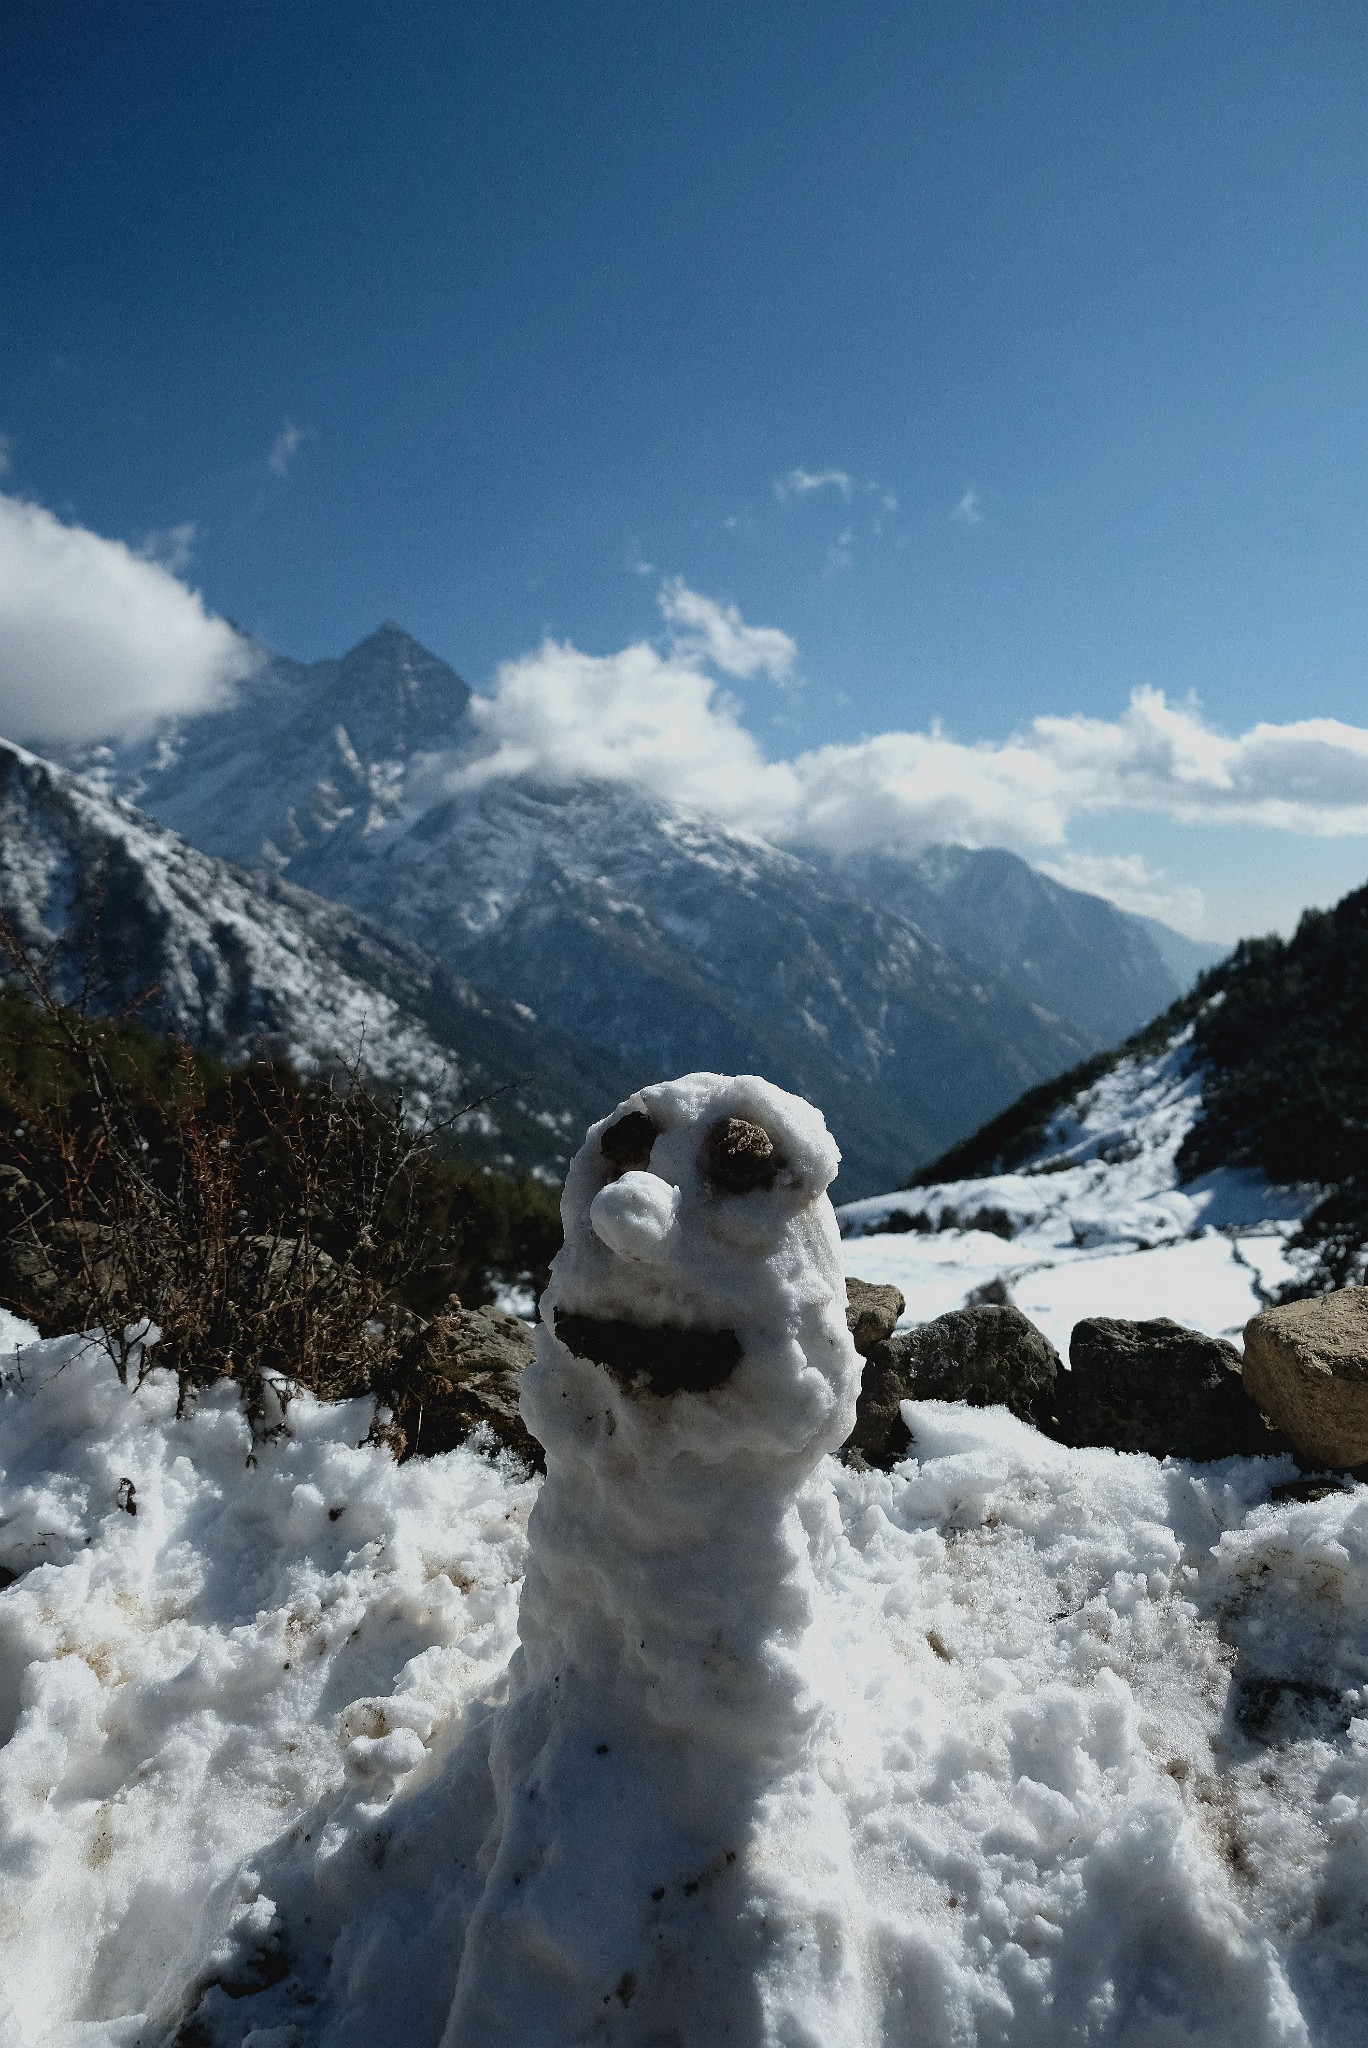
271 1231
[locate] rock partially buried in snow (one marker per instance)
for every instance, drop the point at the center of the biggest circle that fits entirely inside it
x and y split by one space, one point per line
989 1356
463 1374
1306 1365
1158 1387
662 1733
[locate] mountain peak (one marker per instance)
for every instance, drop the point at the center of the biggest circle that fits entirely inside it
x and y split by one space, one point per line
303 749
392 655
389 634
393 695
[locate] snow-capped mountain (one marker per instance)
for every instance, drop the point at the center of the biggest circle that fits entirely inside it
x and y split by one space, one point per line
684 946
304 749
909 998
1214 1157
252 964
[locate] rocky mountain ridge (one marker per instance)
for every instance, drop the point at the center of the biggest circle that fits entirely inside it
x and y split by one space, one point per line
252 964
908 997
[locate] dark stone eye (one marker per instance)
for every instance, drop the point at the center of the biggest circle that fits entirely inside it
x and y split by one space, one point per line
626 1145
738 1156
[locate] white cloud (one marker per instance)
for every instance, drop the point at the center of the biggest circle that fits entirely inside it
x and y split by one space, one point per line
6 453
654 720
665 723
286 446
802 483
97 639
968 511
906 788
1128 880
718 634
172 546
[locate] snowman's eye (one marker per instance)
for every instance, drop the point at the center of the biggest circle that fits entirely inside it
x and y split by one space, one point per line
626 1145
738 1156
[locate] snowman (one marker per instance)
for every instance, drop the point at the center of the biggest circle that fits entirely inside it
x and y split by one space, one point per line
669 1865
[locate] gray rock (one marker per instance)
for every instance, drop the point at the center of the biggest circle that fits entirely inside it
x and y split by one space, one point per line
1158 1387
984 1356
871 1313
1306 1365
463 1370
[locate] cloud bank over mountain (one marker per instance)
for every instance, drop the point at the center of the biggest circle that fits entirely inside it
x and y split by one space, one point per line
96 638
661 719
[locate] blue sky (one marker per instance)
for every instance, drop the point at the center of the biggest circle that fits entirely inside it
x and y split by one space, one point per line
494 318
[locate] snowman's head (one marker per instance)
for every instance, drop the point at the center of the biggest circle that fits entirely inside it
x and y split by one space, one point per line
700 1289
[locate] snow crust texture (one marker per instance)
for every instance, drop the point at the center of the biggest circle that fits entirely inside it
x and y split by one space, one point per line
196 1648
1097 1736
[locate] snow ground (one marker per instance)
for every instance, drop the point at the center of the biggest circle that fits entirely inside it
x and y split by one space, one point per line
1101 1723
1103 1742
171 1679
1209 1283
1099 1223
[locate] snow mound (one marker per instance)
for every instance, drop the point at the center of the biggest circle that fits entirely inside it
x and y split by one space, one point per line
665 1842
199 1647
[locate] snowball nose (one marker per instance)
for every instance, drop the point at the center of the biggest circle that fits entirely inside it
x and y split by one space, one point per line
635 1215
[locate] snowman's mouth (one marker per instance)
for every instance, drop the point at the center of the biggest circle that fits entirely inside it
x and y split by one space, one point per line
655 1358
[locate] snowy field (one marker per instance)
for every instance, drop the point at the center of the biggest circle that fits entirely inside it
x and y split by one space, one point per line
1098 1728
1104 1732
1099 1225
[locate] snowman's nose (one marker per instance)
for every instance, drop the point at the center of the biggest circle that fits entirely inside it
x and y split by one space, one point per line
636 1215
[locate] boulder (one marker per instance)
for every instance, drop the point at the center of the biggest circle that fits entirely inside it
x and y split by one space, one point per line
1306 1365
871 1313
985 1355
1158 1387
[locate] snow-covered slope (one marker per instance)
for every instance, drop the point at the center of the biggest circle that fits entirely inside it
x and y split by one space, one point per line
684 946
1094 1220
1101 1732
246 964
303 748
909 998
1070 952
